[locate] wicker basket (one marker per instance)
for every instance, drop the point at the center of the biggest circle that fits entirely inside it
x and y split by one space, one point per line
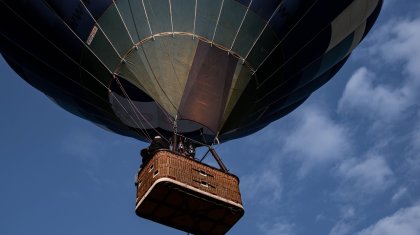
188 195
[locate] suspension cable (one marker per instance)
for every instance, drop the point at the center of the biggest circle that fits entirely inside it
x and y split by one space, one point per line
135 108
143 131
58 16
75 34
217 22
240 26
195 18
135 113
262 31
66 55
59 72
169 118
100 28
287 34
167 49
134 21
132 105
54 69
125 26
147 18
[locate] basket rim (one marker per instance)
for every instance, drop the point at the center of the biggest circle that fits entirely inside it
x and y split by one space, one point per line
192 160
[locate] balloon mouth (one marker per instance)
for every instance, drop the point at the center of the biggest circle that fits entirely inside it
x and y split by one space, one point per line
195 89
197 132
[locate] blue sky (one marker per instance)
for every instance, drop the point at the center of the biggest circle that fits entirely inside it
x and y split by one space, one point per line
346 162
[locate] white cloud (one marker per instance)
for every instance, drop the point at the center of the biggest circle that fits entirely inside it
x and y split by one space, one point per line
341 228
399 41
344 225
316 140
264 183
415 137
415 141
404 221
82 144
402 191
347 212
371 175
277 228
320 217
413 160
378 102
385 96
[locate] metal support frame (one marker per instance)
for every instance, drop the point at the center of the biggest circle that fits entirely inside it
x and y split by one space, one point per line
218 160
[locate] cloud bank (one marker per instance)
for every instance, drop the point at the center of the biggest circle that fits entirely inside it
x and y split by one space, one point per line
316 140
369 148
404 221
370 175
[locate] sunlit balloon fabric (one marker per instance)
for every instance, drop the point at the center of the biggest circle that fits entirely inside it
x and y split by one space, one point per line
221 68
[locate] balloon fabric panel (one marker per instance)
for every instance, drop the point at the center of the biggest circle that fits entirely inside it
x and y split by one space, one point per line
220 68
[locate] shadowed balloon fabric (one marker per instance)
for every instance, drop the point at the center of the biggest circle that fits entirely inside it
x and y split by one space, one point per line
221 68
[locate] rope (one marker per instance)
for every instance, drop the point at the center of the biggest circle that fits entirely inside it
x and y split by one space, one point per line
147 18
195 17
145 134
74 33
262 31
65 54
125 94
172 23
135 109
47 64
289 78
100 28
49 41
154 75
168 50
134 21
219 46
169 118
137 119
288 60
286 35
240 26
193 140
132 105
217 22
54 69
202 135
157 81
116 7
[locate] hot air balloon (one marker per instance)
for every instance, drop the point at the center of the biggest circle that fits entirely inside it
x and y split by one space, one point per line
204 70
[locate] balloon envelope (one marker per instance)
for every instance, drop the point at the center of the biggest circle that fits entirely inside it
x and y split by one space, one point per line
221 68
